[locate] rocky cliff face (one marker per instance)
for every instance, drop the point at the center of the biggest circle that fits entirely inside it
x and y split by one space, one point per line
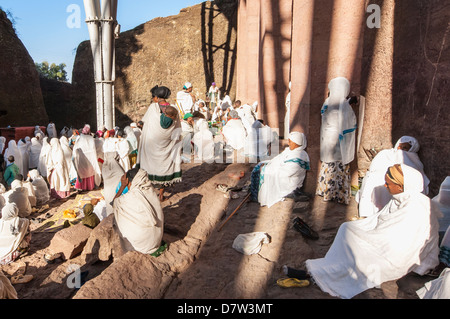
198 45
21 102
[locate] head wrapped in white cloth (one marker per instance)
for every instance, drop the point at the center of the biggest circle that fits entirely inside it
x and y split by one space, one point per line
298 138
411 140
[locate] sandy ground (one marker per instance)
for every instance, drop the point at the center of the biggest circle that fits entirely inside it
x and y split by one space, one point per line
219 271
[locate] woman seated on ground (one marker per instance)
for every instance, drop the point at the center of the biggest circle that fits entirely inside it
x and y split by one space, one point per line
373 196
400 238
273 180
138 213
41 191
15 235
19 195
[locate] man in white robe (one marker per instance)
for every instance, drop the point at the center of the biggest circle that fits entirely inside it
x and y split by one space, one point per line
283 174
35 152
19 196
400 238
186 98
204 142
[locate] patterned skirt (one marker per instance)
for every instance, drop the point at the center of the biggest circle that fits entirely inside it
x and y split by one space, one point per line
334 182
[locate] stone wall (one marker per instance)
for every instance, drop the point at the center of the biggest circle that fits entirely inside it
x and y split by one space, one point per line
197 45
21 102
400 71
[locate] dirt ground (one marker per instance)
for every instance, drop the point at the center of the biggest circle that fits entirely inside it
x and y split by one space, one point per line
218 271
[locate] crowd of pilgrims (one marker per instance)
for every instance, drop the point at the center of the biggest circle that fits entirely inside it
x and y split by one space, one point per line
399 229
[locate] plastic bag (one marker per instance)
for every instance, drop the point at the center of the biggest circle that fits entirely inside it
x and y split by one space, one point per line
250 243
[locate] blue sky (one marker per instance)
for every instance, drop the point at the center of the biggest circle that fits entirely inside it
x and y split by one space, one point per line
49 30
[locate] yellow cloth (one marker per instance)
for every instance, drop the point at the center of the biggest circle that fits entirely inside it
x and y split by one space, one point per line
395 174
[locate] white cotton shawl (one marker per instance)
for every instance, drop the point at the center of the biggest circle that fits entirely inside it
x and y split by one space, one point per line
401 238
2 144
23 148
131 138
12 229
338 127
64 142
35 152
19 195
14 151
57 170
112 172
51 131
184 100
258 141
40 187
204 142
123 149
372 195
235 134
282 175
160 149
85 158
139 216
46 148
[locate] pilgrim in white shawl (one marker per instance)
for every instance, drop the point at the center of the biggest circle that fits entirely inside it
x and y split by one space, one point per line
272 181
133 144
258 142
234 132
186 99
25 154
204 142
337 143
214 96
64 142
160 148
30 189
112 172
123 150
372 195
40 187
2 144
138 214
99 149
14 151
15 235
38 133
137 131
187 132
399 239
51 130
57 171
85 161
19 195
287 116
35 152
46 148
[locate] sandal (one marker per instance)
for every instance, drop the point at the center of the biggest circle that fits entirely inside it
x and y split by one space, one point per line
292 283
21 279
222 188
304 229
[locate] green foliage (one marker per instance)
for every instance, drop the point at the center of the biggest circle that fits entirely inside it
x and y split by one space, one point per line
52 71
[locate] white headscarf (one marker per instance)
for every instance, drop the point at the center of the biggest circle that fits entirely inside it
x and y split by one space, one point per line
2 143
40 187
57 171
35 152
401 238
12 229
14 151
298 138
131 138
51 131
23 148
46 148
85 158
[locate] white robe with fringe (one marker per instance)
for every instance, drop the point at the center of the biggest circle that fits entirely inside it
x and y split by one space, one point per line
159 151
139 216
282 175
400 238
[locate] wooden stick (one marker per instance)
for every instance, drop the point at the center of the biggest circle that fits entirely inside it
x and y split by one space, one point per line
237 208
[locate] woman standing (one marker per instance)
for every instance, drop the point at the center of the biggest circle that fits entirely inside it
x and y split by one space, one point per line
337 143
58 172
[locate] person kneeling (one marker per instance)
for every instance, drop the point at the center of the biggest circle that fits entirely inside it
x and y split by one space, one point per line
138 213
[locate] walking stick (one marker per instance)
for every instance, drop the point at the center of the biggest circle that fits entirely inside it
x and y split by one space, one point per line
237 208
